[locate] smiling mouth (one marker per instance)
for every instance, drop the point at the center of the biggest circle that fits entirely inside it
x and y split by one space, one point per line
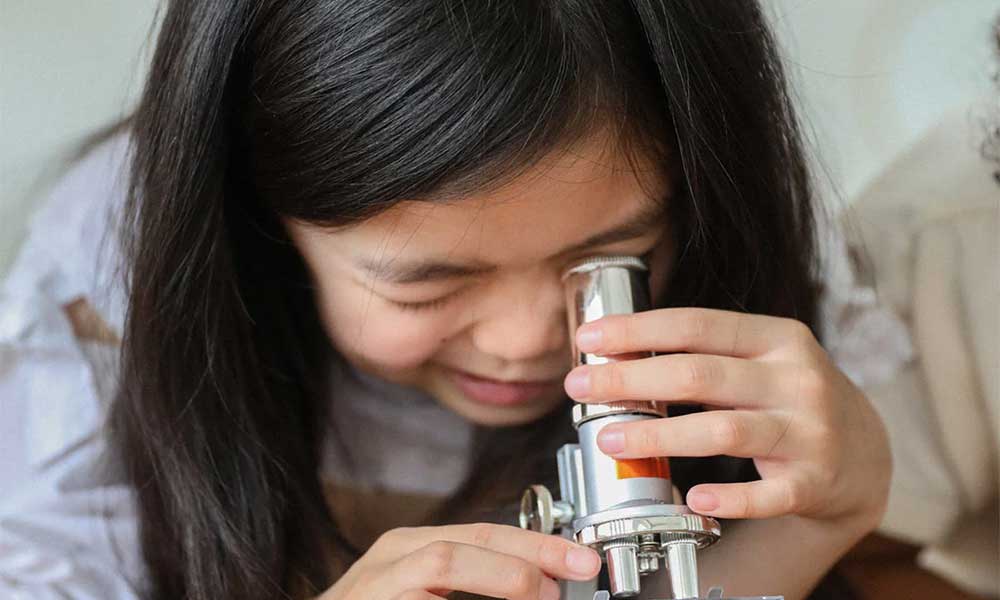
496 392
549 381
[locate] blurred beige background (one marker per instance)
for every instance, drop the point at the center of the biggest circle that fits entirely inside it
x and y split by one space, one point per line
871 76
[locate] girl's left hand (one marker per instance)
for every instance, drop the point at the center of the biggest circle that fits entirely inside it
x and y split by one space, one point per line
819 446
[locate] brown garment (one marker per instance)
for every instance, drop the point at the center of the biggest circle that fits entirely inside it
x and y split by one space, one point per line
880 567
365 515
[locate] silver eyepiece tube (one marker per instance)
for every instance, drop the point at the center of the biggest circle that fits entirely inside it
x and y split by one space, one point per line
623 508
601 286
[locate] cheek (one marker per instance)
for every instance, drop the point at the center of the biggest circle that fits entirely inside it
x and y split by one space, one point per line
361 324
662 264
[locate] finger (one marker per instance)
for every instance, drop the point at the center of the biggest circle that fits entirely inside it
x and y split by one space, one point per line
755 500
473 569
740 433
701 330
555 555
418 595
685 378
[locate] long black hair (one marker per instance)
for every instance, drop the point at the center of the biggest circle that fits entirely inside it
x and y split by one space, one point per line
330 111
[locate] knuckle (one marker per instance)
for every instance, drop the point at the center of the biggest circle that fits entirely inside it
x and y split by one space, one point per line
611 380
737 328
792 496
813 386
437 560
799 334
693 326
389 538
730 432
646 438
483 534
743 506
827 439
552 553
828 478
698 377
624 333
524 580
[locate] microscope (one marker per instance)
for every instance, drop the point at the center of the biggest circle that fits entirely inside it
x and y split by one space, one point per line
626 510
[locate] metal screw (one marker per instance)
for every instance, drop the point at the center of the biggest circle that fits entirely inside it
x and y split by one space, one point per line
648 563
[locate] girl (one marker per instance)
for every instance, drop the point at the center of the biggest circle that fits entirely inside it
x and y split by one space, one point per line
343 233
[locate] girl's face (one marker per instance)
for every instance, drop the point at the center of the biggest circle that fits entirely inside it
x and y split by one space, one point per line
424 289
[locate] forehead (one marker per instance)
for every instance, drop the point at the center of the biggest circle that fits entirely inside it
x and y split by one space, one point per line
564 198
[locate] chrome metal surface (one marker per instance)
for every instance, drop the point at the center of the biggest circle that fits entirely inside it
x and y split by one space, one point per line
623 570
682 566
637 511
704 531
586 412
601 286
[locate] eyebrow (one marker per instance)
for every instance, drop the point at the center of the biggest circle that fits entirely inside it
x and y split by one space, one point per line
641 223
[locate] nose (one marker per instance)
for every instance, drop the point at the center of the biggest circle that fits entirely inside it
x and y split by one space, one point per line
525 319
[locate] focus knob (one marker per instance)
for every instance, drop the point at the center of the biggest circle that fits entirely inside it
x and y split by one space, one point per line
540 513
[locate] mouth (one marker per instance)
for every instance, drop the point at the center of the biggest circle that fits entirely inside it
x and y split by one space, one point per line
495 392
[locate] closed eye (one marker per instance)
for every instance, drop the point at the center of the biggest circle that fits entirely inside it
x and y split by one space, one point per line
420 306
437 303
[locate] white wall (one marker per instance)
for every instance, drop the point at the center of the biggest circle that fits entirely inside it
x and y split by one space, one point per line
872 75
67 67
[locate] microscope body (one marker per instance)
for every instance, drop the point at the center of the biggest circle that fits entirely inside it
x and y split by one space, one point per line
626 510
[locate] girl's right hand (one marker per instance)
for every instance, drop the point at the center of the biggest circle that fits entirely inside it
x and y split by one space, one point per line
427 563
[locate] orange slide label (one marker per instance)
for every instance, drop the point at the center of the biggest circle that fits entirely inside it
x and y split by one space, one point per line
643 467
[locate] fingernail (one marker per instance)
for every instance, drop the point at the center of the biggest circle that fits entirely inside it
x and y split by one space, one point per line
578 383
582 560
588 338
611 439
704 501
550 590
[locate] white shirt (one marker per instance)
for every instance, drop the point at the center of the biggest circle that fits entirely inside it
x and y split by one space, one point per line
67 527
